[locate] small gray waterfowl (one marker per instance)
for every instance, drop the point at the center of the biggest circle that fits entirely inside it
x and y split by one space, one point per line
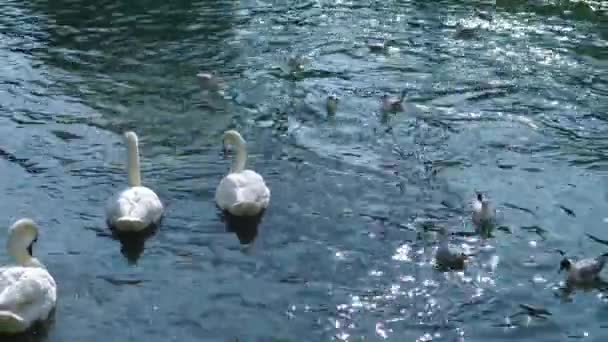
483 213
391 104
210 82
447 258
583 272
332 104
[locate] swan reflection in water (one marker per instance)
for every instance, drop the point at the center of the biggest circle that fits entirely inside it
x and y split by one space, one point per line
132 244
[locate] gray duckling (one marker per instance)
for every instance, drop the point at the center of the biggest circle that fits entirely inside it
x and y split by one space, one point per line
583 272
332 104
210 82
447 258
391 104
483 213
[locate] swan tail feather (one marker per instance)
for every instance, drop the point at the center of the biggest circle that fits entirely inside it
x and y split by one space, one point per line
245 209
11 323
130 224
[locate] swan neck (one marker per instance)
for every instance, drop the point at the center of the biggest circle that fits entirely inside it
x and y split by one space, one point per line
240 159
23 257
133 163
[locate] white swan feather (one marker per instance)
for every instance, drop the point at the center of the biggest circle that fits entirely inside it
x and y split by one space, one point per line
28 292
241 192
136 207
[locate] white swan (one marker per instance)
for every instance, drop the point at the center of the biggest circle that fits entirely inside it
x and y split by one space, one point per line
241 192
137 207
28 292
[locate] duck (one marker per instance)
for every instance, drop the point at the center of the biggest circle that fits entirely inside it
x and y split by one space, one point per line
482 211
377 45
332 104
583 272
28 292
210 82
392 105
445 257
137 207
241 192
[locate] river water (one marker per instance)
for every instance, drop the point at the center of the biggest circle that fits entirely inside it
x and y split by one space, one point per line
505 97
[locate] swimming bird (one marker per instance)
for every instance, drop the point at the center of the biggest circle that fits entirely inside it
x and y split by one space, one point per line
332 104
392 105
136 207
210 82
241 192
483 213
445 257
377 45
28 292
583 272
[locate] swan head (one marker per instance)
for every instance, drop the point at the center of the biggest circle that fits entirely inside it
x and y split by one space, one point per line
233 137
131 137
566 264
22 236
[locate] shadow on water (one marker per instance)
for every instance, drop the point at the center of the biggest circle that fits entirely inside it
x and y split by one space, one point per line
244 227
37 333
132 245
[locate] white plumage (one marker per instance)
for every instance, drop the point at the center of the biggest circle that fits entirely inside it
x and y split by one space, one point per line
28 292
137 207
241 192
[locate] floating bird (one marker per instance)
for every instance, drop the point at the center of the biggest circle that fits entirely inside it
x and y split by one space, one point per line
377 45
483 213
447 258
136 207
392 105
583 272
332 104
28 292
241 192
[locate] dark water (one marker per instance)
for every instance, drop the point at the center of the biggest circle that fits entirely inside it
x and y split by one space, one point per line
512 103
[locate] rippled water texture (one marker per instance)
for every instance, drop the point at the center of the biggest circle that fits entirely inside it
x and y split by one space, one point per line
510 100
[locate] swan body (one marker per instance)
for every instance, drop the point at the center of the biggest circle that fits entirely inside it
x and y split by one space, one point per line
136 207
241 192
28 292
482 211
584 271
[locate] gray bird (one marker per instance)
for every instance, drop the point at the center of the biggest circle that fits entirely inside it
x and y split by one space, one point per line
483 213
210 82
392 105
332 104
447 258
583 272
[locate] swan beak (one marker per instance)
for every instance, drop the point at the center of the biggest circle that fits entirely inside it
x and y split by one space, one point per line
30 249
